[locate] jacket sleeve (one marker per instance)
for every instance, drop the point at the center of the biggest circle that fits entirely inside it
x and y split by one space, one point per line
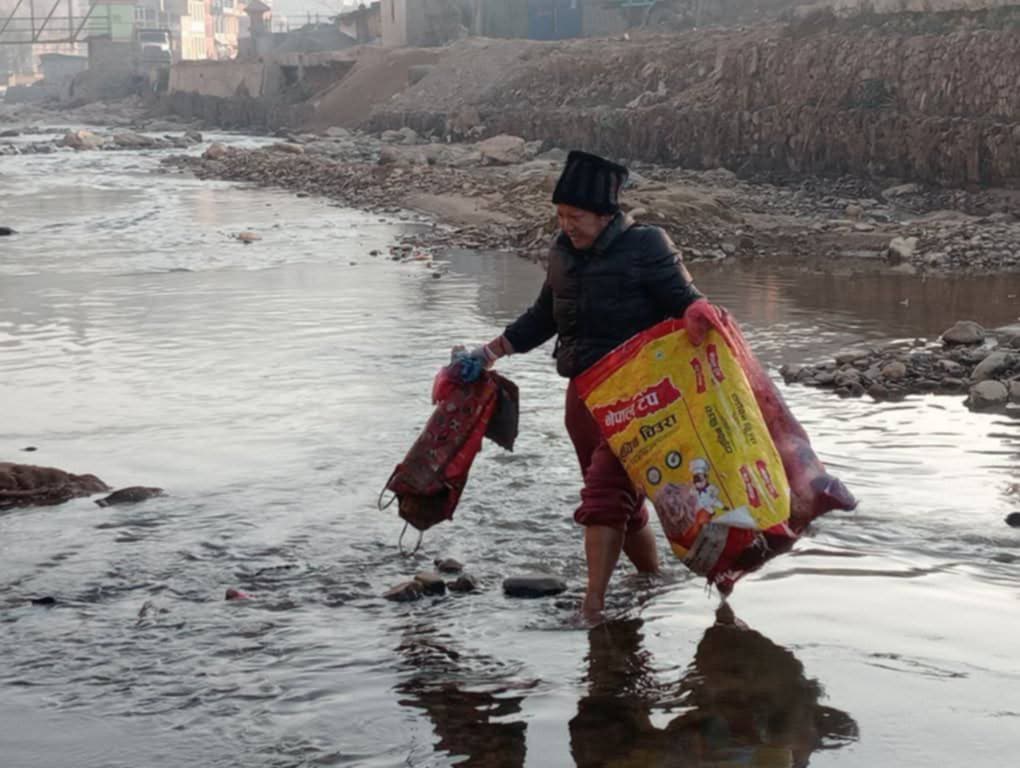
664 275
536 326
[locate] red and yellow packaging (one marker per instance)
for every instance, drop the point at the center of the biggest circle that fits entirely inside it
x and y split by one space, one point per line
685 424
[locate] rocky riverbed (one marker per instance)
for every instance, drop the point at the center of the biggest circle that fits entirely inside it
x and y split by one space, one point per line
967 359
494 195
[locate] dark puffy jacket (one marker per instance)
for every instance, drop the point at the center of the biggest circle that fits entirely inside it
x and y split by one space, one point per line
631 279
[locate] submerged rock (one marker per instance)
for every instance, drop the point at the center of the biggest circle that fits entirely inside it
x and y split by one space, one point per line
533 585
132 140
7 232
464 583
449 565
130 495
236 594
26 485
407 592
47 600
431 583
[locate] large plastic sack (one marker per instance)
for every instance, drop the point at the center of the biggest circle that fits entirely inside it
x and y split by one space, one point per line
705 434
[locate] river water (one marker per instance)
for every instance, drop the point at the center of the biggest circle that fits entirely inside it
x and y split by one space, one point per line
271 388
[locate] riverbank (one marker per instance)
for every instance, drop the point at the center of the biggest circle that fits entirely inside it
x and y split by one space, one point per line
494 194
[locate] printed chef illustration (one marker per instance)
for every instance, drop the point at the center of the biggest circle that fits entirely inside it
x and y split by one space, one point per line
708 494
685 508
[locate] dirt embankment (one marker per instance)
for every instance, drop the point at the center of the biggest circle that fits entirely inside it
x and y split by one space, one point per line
886 101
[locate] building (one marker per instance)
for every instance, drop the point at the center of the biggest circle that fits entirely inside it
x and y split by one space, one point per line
194 36
364 23
437 22
423 23
227 15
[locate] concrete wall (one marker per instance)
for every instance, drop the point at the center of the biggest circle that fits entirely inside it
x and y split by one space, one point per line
226 79
394 23
424 23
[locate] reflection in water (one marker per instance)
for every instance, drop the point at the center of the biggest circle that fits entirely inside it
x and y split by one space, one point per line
466 721
743 701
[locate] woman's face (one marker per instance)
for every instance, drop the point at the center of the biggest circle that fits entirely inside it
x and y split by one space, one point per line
582 227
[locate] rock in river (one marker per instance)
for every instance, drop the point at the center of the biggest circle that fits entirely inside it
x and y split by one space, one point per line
964 332
26 485
130 495
993 365
407 592
464 583
988 394
533 585
1013 519
431 583
449 565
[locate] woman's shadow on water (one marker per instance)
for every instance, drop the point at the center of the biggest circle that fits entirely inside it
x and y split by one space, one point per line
743 701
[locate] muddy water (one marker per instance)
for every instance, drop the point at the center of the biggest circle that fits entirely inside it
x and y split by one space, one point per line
270 388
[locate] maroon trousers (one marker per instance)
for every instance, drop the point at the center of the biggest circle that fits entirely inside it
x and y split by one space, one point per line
608 496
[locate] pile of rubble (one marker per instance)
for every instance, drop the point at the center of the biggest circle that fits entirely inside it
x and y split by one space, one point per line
984 365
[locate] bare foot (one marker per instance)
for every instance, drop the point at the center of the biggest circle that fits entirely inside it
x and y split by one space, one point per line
592 607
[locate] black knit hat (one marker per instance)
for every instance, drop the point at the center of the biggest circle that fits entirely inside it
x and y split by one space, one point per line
591 183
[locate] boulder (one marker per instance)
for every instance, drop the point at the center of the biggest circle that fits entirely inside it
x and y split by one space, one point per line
951 368
7 232
407 592
503 150
26 485
431 583
131 140
215 151
895 370
964 332
464 583
533 585
1013 386
1013 519
449 565
236 594
82 140
996 363
988 394
901 249
130 495
193 137
288 148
